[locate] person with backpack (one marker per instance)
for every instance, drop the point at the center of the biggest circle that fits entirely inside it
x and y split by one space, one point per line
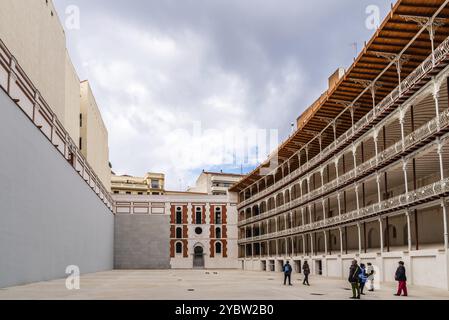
353 278
402 279
306 272
362 278
370 274
287 273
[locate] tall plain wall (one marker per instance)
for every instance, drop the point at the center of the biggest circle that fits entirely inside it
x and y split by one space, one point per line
142 241
33 33
49 217
94 136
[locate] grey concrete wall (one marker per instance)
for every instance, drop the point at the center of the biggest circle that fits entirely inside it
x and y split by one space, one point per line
49 217
142 241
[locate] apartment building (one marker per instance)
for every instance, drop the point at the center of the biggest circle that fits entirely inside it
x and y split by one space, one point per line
215 183
150 184
366 175
31 31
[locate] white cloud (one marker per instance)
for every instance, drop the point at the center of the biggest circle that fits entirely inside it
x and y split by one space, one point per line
158 68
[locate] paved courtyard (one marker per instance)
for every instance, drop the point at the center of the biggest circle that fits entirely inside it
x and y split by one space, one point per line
203 285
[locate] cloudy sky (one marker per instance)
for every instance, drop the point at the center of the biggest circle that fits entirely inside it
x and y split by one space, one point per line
188 85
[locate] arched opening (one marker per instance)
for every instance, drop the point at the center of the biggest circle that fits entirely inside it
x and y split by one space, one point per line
178 215
218 233
287 196
371 238
178 233
178 247
198 214
218 247
263 207
255 210
279 199
198 257
218 215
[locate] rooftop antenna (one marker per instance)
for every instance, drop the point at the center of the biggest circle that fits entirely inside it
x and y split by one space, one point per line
292 128
356 49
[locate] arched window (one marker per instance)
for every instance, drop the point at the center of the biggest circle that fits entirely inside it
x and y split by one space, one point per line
218 215
178 215
198 214
218 233
218 247
178 247
178 233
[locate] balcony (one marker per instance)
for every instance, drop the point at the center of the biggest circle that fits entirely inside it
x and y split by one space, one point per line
394 152
424 70
426 193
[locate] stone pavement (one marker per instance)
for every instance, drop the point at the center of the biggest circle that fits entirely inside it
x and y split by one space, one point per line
204 285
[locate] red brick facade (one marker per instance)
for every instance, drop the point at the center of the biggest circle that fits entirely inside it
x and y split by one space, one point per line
185 227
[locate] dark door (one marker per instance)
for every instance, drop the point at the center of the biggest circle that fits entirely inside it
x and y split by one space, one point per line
198 257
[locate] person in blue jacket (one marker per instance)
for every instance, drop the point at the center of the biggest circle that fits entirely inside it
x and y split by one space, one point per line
287 273
362 277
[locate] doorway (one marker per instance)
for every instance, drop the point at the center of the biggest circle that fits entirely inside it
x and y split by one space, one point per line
198 257
298 266
319 267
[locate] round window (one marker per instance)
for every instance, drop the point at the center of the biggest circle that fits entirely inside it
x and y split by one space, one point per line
198 230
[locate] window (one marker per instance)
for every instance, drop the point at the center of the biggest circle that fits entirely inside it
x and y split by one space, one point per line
198 230
178 247
81 120
198 214
116 192
218 233
178 233
81 143
140 193
154 184
218 247
128 192
178 215
218 215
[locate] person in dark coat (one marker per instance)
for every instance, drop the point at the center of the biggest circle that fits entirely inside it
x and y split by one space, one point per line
401 278
354 272
287 273
306 272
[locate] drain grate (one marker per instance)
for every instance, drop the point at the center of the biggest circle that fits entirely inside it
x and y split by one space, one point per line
190 289
347 289
270 279
317 294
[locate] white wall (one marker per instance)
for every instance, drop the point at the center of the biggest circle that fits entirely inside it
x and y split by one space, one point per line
49 216
33 33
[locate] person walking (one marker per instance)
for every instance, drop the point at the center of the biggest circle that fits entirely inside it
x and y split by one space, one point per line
370 278
287 273
306 272
401 277
353 278
362 278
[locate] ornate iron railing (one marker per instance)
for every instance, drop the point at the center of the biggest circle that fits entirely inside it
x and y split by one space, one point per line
401 147
433 190
441 53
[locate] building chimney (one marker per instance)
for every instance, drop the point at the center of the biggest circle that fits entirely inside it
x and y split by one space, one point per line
335 77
